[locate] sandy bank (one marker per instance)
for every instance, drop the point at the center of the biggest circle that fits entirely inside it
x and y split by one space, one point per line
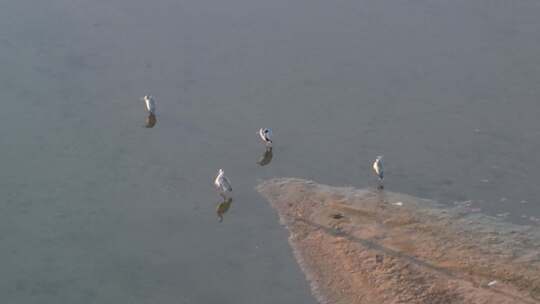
365 246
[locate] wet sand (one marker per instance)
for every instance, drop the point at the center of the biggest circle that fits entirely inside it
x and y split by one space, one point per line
370 246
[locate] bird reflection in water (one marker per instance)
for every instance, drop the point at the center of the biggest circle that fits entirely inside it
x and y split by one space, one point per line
151 120
222 208
266 158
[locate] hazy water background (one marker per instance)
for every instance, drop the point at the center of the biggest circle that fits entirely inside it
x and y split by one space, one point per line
98 209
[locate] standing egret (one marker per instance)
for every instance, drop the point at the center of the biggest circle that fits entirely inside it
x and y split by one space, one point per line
150 103
266 135
222 183
378 168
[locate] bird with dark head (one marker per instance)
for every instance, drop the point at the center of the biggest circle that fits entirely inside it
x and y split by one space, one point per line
266 136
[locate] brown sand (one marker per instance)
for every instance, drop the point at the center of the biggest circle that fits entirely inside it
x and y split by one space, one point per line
360 246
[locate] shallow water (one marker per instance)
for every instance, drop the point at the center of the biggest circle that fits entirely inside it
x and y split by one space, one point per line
99 209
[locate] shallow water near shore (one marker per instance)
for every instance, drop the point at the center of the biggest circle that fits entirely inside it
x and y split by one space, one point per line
96 208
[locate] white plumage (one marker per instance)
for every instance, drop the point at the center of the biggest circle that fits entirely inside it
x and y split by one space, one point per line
222 183
378 168
266 136
150 103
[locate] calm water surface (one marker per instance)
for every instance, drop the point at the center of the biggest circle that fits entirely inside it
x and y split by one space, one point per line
98 209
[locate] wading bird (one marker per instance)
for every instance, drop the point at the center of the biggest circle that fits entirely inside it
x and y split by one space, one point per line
266 135
150 103
378 168
222 183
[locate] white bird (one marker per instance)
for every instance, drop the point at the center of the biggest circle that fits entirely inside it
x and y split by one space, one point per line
222 183
378 168
150 103
266 135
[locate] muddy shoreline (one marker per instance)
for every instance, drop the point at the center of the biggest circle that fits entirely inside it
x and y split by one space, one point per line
367 246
